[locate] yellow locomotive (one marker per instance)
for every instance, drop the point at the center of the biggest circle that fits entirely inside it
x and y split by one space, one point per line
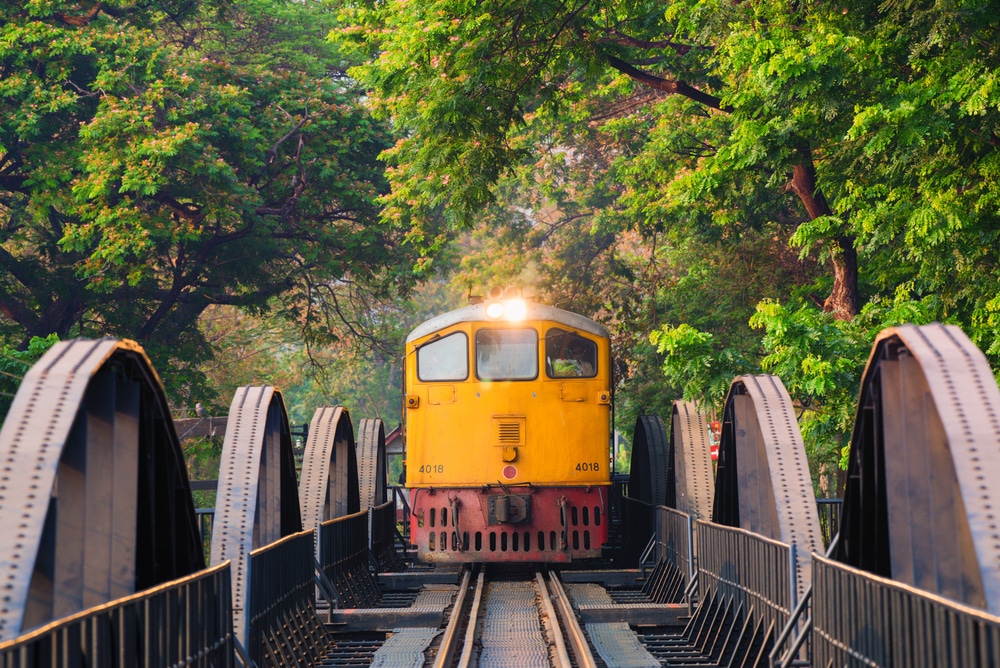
507 424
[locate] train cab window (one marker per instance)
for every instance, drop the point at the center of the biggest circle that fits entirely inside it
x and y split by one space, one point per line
446 358
507 354
568 355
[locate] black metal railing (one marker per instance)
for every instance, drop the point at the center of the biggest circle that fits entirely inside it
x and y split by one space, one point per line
343 557
862 619
829 518
187 622
637 529
674 568
674 533
402 506
382 537
619 490
284 629
751 571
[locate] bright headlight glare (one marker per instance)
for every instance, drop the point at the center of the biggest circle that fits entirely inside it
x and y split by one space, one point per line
494 310
517 310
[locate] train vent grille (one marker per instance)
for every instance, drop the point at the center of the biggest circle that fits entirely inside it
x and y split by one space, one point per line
509 430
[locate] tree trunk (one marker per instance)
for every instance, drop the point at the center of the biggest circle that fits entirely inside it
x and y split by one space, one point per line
843 301
58 317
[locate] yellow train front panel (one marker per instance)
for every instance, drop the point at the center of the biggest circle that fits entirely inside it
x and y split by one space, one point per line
518 409
545 431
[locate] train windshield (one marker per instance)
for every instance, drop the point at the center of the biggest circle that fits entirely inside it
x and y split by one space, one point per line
507 354
568 355
446 358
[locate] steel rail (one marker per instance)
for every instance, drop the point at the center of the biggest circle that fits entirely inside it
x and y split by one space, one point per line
470 631
447 648
554 626
581 648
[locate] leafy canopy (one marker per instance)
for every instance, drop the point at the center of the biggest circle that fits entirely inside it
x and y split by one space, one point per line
159 158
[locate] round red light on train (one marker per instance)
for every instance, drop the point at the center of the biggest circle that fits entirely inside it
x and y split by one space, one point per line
509 472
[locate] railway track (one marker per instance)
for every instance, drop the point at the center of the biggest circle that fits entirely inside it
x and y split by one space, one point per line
513 619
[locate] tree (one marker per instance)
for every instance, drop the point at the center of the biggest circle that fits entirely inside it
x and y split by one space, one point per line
868 132
159 158
475 86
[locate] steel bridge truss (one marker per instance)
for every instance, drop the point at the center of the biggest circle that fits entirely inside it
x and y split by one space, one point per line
102 563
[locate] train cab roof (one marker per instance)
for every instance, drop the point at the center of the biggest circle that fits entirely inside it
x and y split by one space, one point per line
534 312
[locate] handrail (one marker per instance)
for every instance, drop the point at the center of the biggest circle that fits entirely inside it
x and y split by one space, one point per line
404 537
689 590
775 657
283 627
751 569
128 631
241 655
650 546
789 659
793 620
326 588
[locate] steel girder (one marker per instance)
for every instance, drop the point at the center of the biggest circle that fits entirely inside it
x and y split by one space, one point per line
763 483
647 478
921 503
372 463
257 501
328 487
95 502
690 480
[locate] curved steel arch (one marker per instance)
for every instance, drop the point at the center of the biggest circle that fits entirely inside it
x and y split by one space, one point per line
921 503
690 478
95 502
372 463
650 465
763 482
328 487
257 501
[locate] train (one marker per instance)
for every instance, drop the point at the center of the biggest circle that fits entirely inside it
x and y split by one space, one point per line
507 424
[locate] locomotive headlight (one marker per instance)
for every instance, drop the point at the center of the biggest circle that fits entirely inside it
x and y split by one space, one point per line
494 310
517 310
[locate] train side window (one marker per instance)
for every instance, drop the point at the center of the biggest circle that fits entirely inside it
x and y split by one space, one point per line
446 358
507 354
568 355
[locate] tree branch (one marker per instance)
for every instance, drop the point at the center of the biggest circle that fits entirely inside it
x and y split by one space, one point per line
80 20
671 86
190 212
17 311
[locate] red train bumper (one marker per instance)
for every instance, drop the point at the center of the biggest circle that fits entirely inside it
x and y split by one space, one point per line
551 524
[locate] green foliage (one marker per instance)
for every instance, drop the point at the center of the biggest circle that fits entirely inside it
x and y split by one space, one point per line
14 364
695 362
671 154
819 359
156 161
